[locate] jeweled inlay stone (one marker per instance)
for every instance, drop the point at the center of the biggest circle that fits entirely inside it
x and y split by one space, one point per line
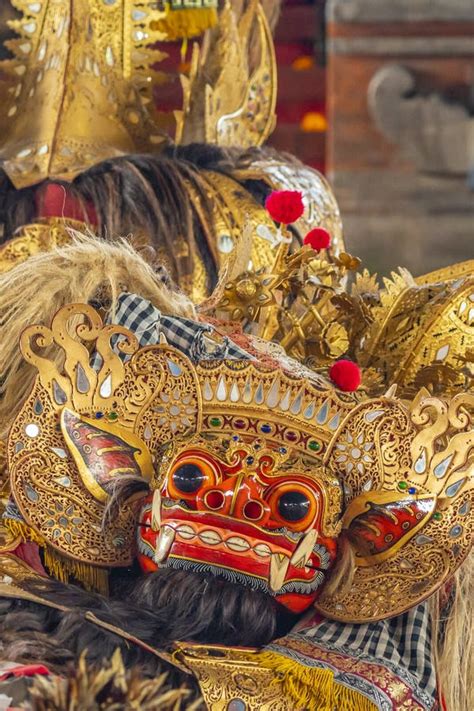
453 489
315 446
225 244
215 421
174 368
437 516
59 395
402 485
112 416
455 531
32 430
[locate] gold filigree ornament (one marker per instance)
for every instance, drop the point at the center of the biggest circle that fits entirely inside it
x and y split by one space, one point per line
407 473
41 236
422 332
298 302
80 87
227 101
59 482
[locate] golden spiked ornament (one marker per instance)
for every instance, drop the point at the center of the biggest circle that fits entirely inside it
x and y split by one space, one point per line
79 89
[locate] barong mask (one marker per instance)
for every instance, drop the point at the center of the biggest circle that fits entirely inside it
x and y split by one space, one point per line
254 473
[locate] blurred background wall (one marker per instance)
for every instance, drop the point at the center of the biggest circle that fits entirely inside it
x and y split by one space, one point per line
380 95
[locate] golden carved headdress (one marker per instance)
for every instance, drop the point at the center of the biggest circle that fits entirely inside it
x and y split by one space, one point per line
395 478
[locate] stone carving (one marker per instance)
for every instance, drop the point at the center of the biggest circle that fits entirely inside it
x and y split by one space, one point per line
436 135
400 10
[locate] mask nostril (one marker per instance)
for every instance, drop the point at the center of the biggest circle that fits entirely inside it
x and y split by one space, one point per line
214 499
253 510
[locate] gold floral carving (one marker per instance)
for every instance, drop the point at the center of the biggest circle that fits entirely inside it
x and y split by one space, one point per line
225 674
81 85
80 97
46 483
231 103
386 452
35 238
421 331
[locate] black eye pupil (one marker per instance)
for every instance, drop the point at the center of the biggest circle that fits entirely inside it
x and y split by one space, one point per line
293 505
188 478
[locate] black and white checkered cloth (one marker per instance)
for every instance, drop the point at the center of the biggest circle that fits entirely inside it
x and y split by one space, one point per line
194 338
401 644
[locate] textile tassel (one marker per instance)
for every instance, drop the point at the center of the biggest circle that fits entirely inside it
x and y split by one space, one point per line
19 529
308 688
352 700
92 578
184 24
313 689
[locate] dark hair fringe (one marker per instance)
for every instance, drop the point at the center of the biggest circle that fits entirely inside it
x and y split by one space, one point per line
159 608
162 196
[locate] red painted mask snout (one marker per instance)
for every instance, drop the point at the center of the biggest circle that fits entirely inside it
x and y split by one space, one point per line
243 517
239 496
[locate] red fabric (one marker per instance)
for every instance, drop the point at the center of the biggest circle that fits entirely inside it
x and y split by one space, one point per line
29 553
54 200
25 670
346 375
285 206
318 238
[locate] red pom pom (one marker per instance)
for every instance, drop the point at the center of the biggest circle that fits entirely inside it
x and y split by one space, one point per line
345 375
285 206
319 238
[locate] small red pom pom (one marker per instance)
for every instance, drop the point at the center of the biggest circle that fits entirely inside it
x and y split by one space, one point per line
318 238
285 206
345 375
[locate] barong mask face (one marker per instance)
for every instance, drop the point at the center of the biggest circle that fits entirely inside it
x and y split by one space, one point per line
244 465
249 509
